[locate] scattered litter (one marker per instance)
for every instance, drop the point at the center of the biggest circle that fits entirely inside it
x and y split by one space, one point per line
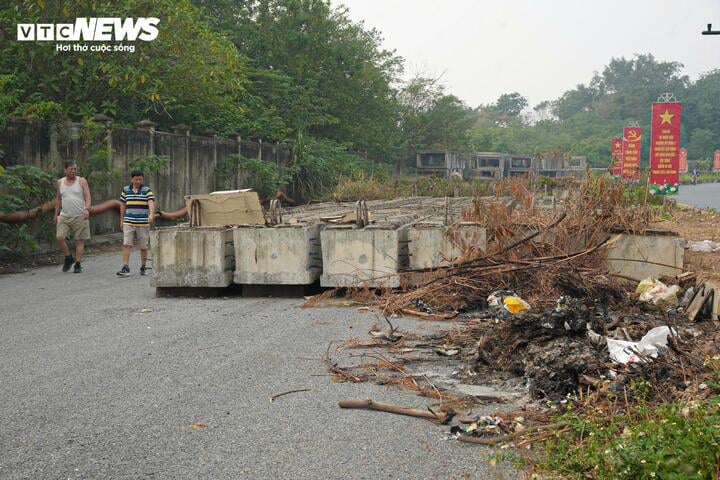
145 310
687 296
449 352
649 346
707 246
508 301
595 338
422 306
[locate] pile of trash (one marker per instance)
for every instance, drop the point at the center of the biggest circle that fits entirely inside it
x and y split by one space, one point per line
556 349
538 307
549 346
562 349
541 254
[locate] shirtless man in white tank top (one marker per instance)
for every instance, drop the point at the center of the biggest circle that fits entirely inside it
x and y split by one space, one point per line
72 211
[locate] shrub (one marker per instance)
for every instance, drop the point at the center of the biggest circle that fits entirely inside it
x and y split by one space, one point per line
22 187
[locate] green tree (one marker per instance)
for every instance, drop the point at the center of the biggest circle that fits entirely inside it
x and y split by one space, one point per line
511 104
188 74
314 70
702 144
701 109
627 87
583 119
578 100
432 119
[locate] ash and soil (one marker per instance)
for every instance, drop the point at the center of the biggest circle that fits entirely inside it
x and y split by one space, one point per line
519 362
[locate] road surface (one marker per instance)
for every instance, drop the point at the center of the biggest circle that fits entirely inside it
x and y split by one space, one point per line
101 379
704 195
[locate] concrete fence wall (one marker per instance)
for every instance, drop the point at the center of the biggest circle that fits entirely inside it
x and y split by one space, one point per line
191 169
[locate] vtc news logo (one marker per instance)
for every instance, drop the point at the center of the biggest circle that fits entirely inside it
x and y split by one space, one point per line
91 29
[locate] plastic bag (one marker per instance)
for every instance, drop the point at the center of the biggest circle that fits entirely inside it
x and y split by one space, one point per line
508 301
646 284
703 246
515 305
656 292
627 352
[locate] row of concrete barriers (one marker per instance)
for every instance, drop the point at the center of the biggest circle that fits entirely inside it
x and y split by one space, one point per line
327 242
321 242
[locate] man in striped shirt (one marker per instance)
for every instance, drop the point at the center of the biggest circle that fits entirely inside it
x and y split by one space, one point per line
137 211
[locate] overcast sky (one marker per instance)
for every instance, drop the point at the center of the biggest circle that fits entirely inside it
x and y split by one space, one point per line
485 48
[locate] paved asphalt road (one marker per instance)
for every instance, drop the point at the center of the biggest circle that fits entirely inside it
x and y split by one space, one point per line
704 195
92 388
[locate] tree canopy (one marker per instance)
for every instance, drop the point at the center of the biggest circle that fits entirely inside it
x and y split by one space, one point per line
583 119
303 71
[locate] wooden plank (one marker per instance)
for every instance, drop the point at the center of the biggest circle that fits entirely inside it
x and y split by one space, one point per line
698 301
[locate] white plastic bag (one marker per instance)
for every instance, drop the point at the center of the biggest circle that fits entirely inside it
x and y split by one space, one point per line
703 246
627 352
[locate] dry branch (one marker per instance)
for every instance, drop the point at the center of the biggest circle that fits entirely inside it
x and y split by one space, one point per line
440 417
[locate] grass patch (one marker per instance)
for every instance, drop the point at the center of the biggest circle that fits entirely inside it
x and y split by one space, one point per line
670 441
686 179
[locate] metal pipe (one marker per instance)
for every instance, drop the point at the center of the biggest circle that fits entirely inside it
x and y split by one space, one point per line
25 215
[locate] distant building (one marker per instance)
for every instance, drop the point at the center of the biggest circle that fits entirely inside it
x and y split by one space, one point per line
487 165
443 163
447 163
521 165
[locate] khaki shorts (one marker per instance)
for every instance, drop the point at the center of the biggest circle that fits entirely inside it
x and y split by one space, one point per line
132 234
78 227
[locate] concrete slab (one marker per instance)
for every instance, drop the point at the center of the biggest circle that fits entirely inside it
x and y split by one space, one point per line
192 257
284 255
638 256
370 257
375 255
433 245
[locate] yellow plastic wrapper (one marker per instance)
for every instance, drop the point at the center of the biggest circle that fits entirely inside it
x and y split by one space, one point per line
515 305
646 285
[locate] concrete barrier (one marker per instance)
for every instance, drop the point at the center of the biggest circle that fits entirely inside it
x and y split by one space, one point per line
370 257
192 257
283 255
433 245
652 254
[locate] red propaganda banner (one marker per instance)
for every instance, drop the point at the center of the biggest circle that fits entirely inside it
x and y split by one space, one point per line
616 163
716 161
631 153
683 160
665 148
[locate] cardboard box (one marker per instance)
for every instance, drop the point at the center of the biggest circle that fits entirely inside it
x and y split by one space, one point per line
225 208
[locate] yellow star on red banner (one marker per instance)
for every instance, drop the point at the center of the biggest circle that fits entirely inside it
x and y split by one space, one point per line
666 117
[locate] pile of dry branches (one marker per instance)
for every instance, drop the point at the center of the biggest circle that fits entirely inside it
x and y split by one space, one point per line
539 253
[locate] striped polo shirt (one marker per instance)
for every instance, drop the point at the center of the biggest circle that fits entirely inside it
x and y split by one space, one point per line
136 205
